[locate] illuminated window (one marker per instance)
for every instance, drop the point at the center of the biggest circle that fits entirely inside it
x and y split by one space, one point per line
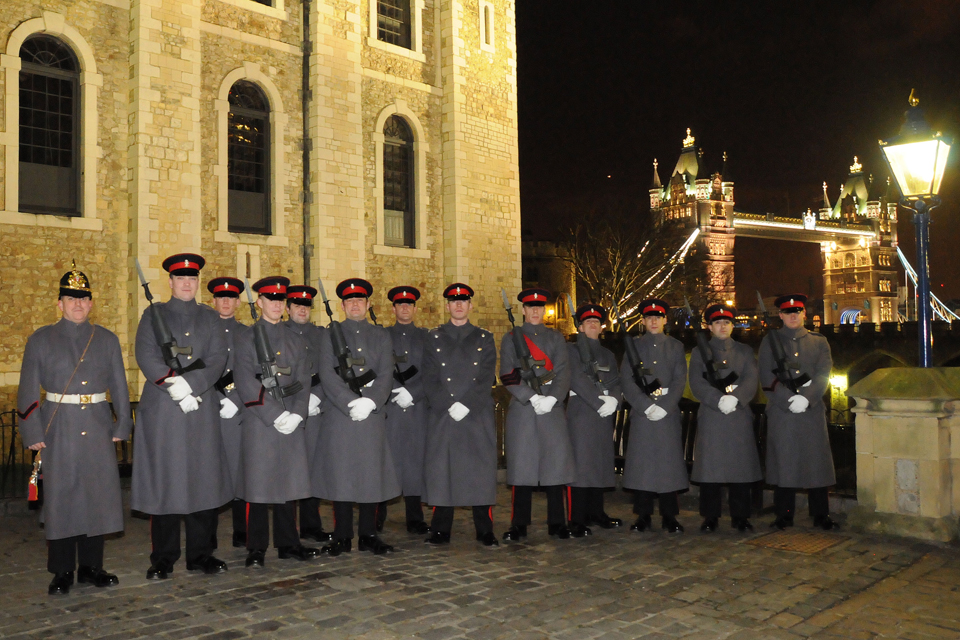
393 22
248 160
398 196
49 121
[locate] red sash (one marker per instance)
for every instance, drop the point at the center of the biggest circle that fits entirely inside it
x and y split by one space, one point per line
538 354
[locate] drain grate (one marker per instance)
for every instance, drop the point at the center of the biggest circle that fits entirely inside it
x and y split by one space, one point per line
800 542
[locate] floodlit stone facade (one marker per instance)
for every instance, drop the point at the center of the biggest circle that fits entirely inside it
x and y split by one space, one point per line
152 159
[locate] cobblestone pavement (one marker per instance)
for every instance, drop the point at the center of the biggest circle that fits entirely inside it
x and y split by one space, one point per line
615 584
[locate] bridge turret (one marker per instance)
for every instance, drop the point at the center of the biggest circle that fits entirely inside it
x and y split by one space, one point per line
656 189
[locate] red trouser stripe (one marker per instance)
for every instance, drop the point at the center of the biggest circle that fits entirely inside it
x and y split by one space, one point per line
490 512
569 501
513 500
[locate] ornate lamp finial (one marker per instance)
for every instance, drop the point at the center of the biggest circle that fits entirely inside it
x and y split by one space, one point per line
689 140
856 167
913 100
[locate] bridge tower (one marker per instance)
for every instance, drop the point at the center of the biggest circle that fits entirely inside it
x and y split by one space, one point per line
696 198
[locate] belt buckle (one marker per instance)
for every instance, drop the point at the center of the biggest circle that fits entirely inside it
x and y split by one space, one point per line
86 398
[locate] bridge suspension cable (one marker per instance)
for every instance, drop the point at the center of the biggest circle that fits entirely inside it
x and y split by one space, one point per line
940 310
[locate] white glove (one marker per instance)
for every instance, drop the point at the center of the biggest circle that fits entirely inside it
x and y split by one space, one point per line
287 423
361 408
547 403
808 383
403 397
798 404
727 404
609 406
189 404
179 388
573 394
228 409
314 405
655 412
458 411
535 401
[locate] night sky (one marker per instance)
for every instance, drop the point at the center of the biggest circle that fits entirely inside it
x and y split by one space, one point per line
791 93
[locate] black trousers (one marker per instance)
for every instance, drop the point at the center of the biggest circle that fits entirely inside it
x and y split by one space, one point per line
310 515
523 505
586 503
482 519
343 520
414 510
238 509
284 525
643 503
738 495
785 502
165 535
62 554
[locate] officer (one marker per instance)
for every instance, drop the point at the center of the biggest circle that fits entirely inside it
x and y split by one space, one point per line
798 448
538 445
180 468
299 304
407 411
594 398
274 468
76 363
725 451
355 464
460 363
226 298
654 465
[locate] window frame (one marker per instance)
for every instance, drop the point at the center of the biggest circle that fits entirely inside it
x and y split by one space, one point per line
265 147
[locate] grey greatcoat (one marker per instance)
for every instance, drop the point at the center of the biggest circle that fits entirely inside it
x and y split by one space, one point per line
230 427
354 463
798 448
179 463
407 428
725 449
654 457
460 365
312 338
81 485
273 468
592 436
539 451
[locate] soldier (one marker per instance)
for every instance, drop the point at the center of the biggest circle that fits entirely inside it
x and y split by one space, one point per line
274 453
226 298
725 451
654 465
76 363
180 468
538 445
795 368
594 398
460 363
407 411
299 304
354 460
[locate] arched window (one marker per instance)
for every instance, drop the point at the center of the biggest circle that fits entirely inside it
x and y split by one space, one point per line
398 196
49 125
248 160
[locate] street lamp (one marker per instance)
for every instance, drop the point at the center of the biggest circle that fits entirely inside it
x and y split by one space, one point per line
917 158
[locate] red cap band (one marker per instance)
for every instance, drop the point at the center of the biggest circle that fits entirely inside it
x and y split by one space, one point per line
226 287
654 307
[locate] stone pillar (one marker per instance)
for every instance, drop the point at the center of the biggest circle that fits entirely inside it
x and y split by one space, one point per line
908 452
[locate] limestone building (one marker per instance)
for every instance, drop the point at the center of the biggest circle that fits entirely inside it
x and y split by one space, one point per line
312 138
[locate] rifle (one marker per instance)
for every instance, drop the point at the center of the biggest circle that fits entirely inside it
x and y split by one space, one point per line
590 365
164 338
636 364
269 371
345 360
711 374
527 372
399 376
783 366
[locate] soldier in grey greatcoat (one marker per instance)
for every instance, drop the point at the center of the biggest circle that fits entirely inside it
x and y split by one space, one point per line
226 298
354 460
180 468
725 451
594 398
539 451
76 363
459 368
273 469
654 465
798 447
299 304
407 411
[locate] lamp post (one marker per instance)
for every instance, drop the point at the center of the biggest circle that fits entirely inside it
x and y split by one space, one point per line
917 157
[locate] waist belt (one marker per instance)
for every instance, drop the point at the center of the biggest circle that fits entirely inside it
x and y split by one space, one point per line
76 398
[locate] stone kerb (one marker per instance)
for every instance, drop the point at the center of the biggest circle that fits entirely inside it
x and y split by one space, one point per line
908 452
